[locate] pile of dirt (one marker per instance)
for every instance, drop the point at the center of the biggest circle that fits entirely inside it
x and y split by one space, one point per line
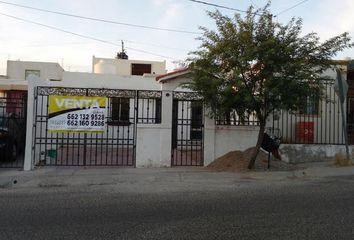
231 161
237 161
261 157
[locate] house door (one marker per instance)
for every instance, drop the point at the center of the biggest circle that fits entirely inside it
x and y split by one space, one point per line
187 130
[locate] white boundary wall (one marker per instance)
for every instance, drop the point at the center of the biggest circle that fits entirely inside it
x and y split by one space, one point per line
153 142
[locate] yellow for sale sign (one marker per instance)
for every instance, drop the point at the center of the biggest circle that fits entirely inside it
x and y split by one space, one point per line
76 113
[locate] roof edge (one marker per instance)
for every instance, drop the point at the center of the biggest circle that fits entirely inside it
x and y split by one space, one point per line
173 74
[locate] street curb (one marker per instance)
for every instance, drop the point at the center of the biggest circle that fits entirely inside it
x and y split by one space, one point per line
52 177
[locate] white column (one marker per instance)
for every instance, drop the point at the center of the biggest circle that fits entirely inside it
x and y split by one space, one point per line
148 146
166 129
209 140
153 147
28 161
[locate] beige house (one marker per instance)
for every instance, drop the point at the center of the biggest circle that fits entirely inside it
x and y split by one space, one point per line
44 70
18 71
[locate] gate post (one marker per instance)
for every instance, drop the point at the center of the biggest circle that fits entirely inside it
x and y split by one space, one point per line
166 128
209 139
28 163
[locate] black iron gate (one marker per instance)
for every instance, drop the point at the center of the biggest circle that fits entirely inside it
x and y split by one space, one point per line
114 147
187 130
13 112
350 120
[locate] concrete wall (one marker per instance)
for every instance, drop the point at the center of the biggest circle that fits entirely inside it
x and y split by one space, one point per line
17 69
231 138
147 146
301 153
124 66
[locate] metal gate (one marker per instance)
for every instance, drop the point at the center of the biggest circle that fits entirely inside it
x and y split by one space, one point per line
187 129
350 120
13 109
114 147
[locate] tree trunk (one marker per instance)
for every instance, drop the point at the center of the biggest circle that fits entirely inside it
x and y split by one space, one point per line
258 145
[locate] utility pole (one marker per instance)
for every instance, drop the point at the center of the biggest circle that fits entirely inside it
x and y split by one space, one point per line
341 89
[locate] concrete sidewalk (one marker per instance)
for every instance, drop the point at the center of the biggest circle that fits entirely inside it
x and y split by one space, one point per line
99 176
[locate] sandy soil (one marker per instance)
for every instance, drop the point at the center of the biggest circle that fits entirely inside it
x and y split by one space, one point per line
237 161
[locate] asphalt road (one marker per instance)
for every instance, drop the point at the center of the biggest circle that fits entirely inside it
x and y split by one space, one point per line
293 209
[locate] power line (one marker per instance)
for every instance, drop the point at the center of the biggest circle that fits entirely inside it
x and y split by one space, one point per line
125 40
254 4
101 20
218 6
155 45
82 36
244 11
285 10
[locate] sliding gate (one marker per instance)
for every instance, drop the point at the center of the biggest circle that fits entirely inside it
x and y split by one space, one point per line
113 146
187 129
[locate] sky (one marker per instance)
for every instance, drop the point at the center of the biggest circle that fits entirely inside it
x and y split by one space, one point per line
25 41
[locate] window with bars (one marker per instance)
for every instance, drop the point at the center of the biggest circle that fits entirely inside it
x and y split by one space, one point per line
119 111
310 106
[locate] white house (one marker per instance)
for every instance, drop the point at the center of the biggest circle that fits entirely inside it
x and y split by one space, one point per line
150 120
126 67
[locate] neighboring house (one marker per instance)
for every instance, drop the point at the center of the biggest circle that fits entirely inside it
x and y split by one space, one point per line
44 70
18 71
176 79
153 121
13 101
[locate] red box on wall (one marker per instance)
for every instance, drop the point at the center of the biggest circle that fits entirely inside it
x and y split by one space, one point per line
304 132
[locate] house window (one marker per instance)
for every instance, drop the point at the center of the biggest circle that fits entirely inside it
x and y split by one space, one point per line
119 111
140 69
310 106
28 72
